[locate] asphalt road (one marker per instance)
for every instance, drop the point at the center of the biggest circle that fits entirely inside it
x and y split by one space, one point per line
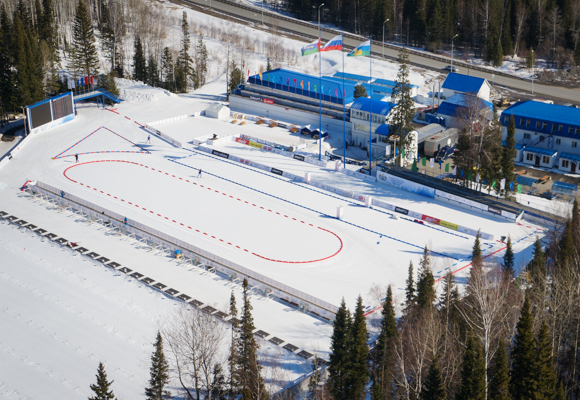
309 32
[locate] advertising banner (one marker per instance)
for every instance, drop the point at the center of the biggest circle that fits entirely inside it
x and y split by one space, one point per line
277 171
386 178
254 144
220 154
449 225
431 219
268 101
243 141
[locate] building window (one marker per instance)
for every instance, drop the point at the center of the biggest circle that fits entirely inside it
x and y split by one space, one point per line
574 144
529 157
558 141
522 121
538 124
577 131
570 130
565 164
528 123
527 135
554 127
546 160
361 127
544 125
561 128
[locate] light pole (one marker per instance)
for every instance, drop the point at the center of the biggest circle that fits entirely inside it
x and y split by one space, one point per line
384 37
319 84
457 34
532 72
262 12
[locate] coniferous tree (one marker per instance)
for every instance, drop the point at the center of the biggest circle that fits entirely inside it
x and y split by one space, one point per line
47 29
523 383
152 72
476 256
200 63
184 68
339 356
236 76
402 115
250 380
358 371
433 388
167 67
425 283
139 63
23 80
107 82
545 374
499 382
384 358
410 295
159 373
233 356
268 64
509 153
360 91
508 259
84 58
7 95
102 388
567 251
472 386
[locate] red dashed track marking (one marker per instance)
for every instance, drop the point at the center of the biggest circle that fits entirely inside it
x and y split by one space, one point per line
197 230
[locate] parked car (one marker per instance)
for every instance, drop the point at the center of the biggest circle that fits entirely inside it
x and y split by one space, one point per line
445 153
451 68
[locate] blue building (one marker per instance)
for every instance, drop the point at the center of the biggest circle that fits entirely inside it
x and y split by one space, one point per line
453 111
542 127
465 84
361 112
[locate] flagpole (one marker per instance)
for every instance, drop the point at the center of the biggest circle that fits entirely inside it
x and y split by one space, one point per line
319 84
343 107
371 103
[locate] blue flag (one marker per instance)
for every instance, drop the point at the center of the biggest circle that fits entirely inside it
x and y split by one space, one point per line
511 186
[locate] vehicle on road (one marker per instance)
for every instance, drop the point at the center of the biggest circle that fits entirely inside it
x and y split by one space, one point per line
451 68
444 153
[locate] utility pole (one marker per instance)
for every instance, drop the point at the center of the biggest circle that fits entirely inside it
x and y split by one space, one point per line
384 37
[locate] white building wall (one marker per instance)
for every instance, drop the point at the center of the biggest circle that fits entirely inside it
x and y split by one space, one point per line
485 91
529 158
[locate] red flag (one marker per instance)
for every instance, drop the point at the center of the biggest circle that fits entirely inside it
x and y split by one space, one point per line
86 80
294 82
92 82
248 72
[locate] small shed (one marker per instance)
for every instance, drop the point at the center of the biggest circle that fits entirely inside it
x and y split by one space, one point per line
217 110
569 162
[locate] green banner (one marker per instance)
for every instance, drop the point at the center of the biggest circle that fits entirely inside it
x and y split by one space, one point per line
424 160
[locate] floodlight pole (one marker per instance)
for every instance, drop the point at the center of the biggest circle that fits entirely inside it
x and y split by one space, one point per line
532 72
457 34
384 37
319 84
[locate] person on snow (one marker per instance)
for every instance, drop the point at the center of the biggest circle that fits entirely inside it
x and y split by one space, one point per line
199 173
76 158
148 139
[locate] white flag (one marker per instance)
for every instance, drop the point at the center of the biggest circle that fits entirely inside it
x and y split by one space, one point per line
477 179
411 156
388 150
455 171
502 184
432 162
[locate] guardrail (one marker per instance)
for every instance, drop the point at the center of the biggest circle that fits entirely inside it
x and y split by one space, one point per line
349 35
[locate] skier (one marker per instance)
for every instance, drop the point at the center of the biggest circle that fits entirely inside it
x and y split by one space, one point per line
76 158
125 221
148 139
199 173
62 194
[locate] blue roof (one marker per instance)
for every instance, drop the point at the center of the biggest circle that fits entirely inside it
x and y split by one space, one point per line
463 83
545 112
365 79
563 187
526 180
459 101
570 156
519 146
540 150
379 107
383 129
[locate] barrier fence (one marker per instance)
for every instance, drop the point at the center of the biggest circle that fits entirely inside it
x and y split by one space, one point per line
96 213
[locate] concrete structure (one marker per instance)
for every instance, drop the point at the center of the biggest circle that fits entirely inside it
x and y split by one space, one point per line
217 110
360 119
458 107
463 84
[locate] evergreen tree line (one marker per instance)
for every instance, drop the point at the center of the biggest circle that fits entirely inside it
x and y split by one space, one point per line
490 28
504 338
195 353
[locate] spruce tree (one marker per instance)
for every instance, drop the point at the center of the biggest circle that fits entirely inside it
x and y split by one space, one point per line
107 82
384 359
184 68
84 58
433 388
509 153
200 62
139 63
233 356
523 384
339 353
476 256
472 386
545 374
425 283
402 115
358 371
250 380
102 388
167 66
6 75
360 91
23 80
576 223
566 251
410 295
159 373
152 72
508 260
499 382
47 29
236 77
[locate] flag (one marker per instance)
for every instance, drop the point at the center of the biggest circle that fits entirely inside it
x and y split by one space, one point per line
86 80
519 188
322 89
469 175
424 161
362 50
260 76
477 178
280 80
411 158
287 81
311 48
440 163
455 171
447 167
302 84
294 83
255 74
414 167
92 82
336 92
315 87
511 186
502 184
461 173
248 72
309 86
80 82
333 44
493 184
432 162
